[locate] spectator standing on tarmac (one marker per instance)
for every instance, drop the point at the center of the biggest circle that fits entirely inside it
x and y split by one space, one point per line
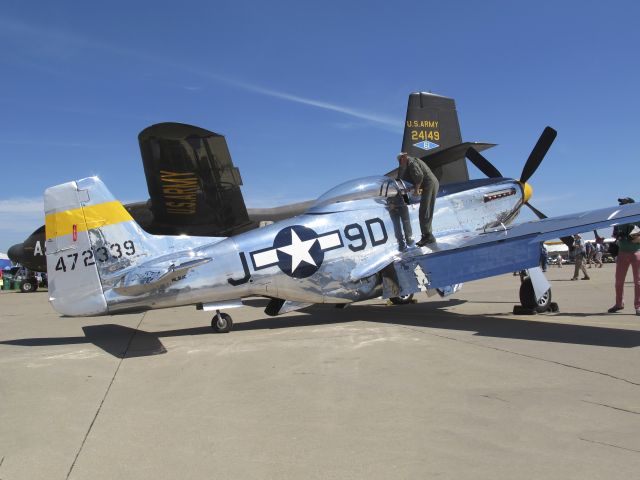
544 257
579 253
628 255
426 184
597 257
588 249
560 259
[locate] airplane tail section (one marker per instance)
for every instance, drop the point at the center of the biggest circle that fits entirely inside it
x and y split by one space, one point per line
192 181
89 234
430 127
98 256
74 283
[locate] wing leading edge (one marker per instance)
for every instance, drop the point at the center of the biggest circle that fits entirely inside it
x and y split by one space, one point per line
494 252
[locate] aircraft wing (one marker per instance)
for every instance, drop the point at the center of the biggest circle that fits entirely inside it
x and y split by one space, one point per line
464 256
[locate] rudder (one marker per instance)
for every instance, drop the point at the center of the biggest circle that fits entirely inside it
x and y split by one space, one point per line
89 235
430 127
74 284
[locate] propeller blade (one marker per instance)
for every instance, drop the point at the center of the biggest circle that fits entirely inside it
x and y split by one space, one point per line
599 239
538 213
537 154
482 163
568 241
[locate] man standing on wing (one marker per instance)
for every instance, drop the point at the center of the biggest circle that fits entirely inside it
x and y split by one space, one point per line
426 184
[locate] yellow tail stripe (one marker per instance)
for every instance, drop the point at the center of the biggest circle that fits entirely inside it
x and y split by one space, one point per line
85 218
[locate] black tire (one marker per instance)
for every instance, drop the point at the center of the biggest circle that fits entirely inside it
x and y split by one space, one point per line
222 323
28 286
403 300
528 297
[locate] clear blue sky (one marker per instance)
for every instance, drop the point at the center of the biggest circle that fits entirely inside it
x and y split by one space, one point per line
309 94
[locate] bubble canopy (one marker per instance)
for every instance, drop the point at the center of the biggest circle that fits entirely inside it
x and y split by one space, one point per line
350 195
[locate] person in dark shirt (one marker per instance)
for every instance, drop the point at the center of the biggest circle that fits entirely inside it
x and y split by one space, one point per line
544 256
426 184
628 255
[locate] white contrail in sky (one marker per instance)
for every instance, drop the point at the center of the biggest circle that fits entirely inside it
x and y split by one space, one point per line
386 121
52 37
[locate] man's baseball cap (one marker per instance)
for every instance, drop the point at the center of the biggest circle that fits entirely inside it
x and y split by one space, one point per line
625 200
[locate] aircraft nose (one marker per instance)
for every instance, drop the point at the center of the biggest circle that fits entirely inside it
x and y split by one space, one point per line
527 192
16 253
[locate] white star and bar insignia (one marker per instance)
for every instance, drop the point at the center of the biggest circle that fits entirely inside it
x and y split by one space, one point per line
297 250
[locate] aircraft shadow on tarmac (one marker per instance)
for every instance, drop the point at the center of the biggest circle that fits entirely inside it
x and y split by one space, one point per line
126 342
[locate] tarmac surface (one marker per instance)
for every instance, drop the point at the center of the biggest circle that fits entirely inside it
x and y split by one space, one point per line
445 388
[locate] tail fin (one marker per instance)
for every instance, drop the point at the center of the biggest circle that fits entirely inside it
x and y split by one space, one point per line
193 184
88 233
431 126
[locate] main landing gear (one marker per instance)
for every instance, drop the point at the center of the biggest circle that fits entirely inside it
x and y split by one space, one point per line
402 300
529 304
221 322
29 285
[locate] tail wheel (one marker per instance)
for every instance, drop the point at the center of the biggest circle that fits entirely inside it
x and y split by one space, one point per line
402 300
528 297
222 323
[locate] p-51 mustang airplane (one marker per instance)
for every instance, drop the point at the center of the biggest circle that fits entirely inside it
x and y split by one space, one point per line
349 246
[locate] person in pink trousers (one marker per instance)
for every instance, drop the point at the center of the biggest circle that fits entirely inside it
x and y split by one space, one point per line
628 256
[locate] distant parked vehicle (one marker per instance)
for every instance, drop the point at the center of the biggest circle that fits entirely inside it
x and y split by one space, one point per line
556 260
22 278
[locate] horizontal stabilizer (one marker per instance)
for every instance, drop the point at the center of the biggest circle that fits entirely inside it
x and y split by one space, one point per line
453 153
448 155
144 278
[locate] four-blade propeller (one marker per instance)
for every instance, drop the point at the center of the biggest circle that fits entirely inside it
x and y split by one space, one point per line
531 165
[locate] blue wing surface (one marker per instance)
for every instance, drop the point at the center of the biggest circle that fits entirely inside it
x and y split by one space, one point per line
502 250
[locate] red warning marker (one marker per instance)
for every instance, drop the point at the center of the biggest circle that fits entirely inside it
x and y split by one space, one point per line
75 232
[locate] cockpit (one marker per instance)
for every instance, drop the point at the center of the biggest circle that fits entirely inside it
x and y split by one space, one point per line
358 194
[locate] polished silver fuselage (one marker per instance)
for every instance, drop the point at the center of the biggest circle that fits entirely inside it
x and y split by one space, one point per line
353 233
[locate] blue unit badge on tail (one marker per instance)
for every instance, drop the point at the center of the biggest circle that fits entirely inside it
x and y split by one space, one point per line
426 145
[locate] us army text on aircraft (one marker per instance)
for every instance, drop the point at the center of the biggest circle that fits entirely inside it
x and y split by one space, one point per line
349 246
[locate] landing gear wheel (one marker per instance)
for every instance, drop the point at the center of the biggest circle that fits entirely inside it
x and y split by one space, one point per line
222 323
528 297
402 300
28 286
